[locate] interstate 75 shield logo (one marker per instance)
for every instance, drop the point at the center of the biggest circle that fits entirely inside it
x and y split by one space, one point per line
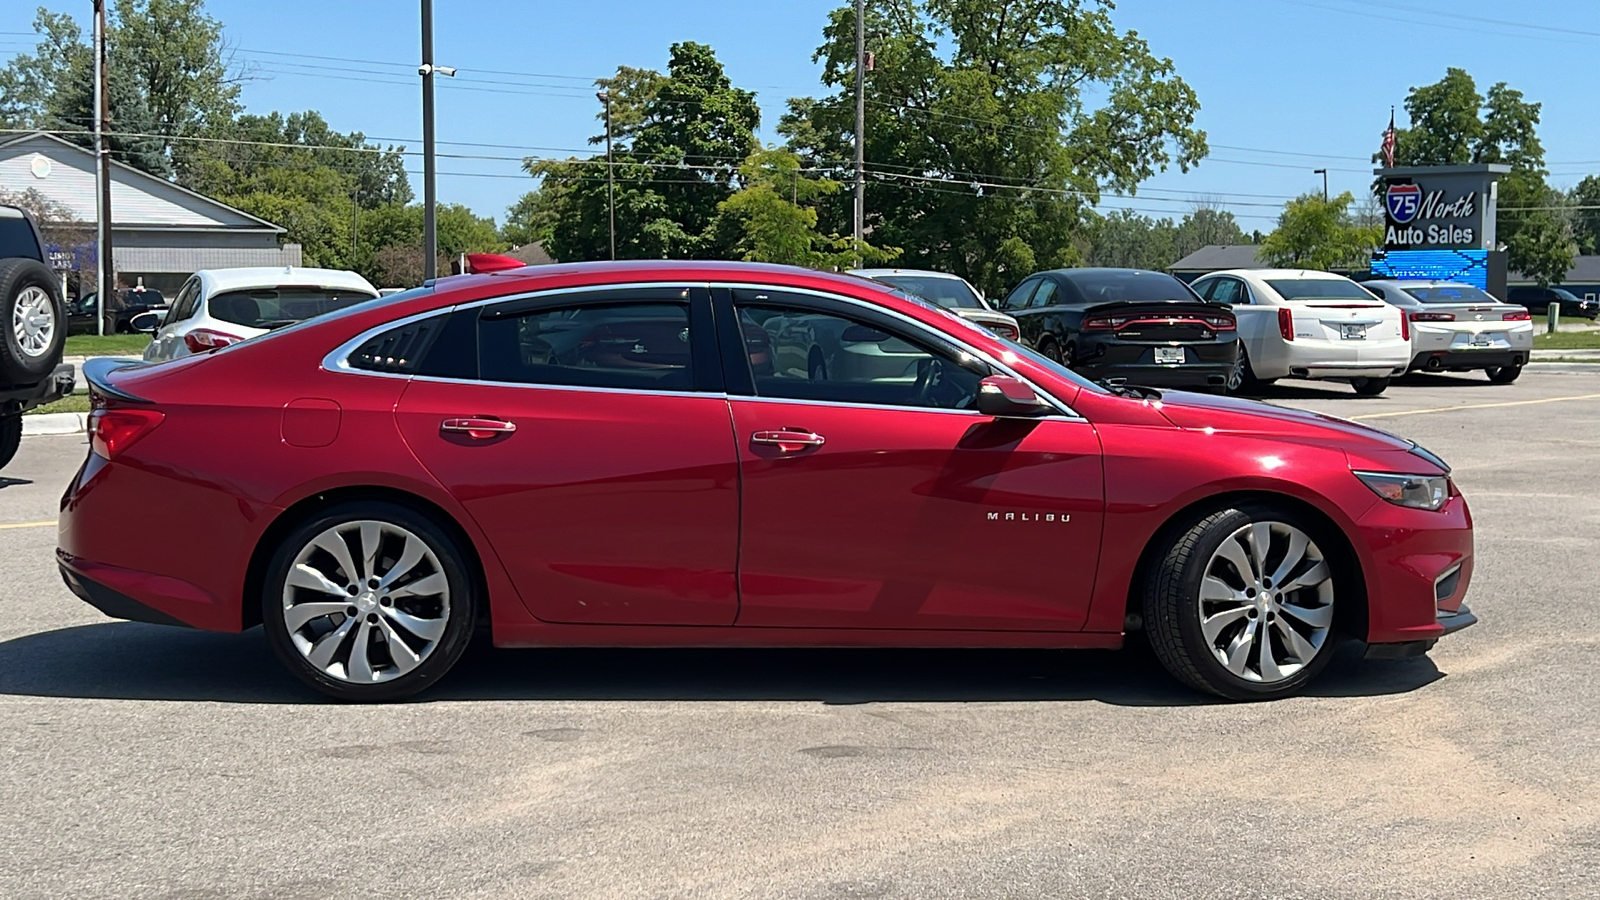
1404 202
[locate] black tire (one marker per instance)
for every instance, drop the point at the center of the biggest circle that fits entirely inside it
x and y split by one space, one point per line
1248 382
1171 604
1504 374
460 621
10 437
1049 349
1370 387
20 280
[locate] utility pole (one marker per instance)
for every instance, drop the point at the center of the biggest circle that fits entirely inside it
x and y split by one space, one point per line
105 271
1324 174
430 228
611 175
861 121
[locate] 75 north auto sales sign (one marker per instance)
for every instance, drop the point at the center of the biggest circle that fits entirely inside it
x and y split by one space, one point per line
1420 217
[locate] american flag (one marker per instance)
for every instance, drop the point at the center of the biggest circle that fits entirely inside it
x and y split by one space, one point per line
1388 142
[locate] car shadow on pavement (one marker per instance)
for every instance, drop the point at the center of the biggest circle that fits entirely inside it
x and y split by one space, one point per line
128 661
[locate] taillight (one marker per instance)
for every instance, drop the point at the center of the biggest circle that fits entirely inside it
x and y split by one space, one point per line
202 340
1519 316
1007 331
1405 327
1433 317
1103 323
1222 323
1286 323
112 431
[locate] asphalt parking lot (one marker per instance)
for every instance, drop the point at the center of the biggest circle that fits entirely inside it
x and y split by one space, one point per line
147 762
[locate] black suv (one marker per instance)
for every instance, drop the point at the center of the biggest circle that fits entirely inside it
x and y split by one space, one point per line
1538 300
33 328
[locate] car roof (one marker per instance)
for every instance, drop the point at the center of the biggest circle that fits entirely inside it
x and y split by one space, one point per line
1415 282
260 277
1100 270
928 273
1306 274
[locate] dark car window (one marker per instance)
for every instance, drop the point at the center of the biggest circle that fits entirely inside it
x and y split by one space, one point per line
1045 295
1450 293
642 346
16 238
1319 289
276 308
950 293
183 305
803 354
1224 290
1018 298
1111 285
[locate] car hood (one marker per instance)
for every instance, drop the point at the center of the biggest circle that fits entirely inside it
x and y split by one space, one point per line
1233 415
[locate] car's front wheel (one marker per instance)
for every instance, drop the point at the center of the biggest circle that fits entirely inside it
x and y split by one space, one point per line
368 601
1241 604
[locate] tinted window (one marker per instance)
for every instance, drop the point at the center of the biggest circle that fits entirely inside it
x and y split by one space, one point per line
642 346
400 349
1224 290
16 238
1046 294
1108 285
810 355
183 306
276 308
1319 289
1450 293
951 293
1018 298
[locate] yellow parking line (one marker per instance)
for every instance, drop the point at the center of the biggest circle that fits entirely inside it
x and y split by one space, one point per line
50 523
1418 412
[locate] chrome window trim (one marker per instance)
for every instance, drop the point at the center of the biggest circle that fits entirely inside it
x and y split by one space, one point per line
338 360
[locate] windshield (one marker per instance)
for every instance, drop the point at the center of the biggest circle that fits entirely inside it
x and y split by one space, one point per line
275 308
1565 294
1319 289
1450 293
1108 285
951 293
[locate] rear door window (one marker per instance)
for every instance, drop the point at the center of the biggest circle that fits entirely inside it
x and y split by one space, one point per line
637 345
1045 295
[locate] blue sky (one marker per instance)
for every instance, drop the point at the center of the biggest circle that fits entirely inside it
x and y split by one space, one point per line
1286 86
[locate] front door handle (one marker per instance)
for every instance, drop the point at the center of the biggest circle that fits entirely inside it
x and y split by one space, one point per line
789 440
477 427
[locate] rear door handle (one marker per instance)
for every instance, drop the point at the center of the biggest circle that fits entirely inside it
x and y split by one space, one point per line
478 428
789 440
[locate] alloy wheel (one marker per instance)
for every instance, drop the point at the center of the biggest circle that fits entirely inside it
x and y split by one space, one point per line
366 601
1266 602
33 321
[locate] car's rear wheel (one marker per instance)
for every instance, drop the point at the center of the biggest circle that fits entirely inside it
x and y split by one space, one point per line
1241 604
1052 351
368 601
1504 374
1370 387
35 322
10 436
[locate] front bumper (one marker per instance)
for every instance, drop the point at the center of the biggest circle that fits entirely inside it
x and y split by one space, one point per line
1451 622
1418 566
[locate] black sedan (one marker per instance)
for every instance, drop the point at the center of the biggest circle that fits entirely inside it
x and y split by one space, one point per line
81 313
1146 328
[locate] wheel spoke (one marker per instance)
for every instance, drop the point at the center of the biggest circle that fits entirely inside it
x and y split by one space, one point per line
1212 626
371 543
405 659
1317 574
1269 658
1298 645
303 576
1215 590
427 629
296 616
1234 552
1314 616
1298 542
1260 540
333 542
360 667
414 550
1239 648
322 652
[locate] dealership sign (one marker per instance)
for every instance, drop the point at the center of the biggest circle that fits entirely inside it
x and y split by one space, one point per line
1438 209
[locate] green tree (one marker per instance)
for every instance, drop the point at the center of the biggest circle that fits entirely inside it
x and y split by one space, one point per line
992 128
1204 226
1586 221
1314 233
70 111
29 82
774 221
1453 124
533 217
1128 240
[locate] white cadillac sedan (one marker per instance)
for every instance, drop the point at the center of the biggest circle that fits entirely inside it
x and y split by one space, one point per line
218 307
1296 323
1458 328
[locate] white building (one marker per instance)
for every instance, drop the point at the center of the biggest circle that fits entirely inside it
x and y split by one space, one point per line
160 232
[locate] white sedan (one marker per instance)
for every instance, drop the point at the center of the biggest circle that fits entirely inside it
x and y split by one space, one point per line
1296 323
1457 328
218 307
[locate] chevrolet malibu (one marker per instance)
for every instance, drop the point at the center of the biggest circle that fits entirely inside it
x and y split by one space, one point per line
587 455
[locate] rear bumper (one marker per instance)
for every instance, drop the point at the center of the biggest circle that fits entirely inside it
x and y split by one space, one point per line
1354 370
1468 359
1205 364
145 597
59 384
112 603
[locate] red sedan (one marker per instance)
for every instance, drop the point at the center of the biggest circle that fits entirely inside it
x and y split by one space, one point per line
639 454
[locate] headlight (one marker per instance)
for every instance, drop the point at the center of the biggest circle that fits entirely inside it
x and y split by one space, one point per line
1417 491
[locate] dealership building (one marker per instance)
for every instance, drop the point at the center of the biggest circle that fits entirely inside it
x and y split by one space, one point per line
160 233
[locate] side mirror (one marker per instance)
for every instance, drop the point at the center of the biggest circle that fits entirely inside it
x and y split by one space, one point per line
1002 396
863 334
146 322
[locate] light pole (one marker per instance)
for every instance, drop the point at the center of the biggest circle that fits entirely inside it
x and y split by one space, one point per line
105 270
611 179
861 123
1324 174
430 228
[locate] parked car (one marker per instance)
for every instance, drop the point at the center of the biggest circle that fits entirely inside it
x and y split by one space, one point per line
949 291
218 307
1297 323
1538 300
1144 327
1457 328
83 314
33 328
411 470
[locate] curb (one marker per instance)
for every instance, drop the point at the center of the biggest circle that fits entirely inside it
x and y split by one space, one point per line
54 423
